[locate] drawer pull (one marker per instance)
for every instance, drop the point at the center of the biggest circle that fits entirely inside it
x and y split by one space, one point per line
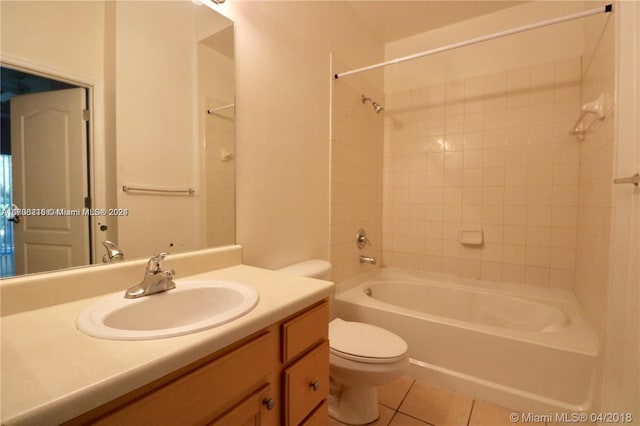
269 403
315 385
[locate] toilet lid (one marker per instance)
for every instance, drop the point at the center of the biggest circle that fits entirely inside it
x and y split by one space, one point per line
357 340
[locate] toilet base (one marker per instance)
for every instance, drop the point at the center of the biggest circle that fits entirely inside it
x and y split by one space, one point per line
353 405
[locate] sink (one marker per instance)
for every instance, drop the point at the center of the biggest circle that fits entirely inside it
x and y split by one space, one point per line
194 305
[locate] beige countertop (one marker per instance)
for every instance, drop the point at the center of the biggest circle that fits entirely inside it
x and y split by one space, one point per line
52 372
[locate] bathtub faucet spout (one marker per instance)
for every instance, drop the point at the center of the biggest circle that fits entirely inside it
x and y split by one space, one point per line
367 259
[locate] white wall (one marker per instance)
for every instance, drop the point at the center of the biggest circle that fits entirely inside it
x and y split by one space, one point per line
282 58
68 36
532 47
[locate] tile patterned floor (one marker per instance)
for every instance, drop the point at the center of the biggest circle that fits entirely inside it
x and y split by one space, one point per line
407 402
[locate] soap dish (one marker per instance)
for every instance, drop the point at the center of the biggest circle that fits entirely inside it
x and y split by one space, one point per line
471 237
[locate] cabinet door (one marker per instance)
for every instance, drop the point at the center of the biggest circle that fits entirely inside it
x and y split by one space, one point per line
306 384
257 409
201 395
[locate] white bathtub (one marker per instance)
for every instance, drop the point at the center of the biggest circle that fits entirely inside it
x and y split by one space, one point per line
521 347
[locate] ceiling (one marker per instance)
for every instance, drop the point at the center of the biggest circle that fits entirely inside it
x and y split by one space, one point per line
396 19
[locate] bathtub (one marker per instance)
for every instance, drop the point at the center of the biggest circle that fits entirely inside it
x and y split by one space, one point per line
522 347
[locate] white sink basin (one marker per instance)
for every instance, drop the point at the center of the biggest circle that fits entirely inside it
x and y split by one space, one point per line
192 306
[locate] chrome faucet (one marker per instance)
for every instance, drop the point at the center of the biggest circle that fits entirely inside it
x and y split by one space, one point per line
114 254
155 280
367 259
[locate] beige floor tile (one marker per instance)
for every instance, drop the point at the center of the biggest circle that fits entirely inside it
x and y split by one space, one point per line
403 420
487 414
392 393
386 414
436 406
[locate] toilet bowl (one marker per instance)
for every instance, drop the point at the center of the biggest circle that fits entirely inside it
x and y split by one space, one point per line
362 357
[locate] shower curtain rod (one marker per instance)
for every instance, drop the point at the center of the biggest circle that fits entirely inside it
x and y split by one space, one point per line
605 9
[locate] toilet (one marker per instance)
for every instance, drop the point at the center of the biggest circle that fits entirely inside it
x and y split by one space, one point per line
361 357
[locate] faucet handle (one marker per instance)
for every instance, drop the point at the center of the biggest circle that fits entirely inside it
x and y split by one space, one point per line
154 265
362 239
113 252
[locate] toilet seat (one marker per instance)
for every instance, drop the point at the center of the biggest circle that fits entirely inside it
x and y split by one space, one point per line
364 359
365 343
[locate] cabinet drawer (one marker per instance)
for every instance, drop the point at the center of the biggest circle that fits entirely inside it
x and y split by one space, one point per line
204 393
304 331
306 384
320 417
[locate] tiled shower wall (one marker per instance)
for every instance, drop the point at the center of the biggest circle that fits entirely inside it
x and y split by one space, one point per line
219 160
217 140
356 174
490 152
596 174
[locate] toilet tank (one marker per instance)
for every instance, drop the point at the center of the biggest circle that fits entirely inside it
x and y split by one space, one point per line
313 268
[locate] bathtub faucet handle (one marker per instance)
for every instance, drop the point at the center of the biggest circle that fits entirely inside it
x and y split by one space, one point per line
362 239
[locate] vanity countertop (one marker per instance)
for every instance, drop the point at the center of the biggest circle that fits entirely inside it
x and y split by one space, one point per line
52 372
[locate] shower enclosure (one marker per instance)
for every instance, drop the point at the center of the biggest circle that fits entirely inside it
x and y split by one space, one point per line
478 137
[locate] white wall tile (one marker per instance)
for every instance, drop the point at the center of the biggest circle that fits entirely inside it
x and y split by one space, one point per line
500 164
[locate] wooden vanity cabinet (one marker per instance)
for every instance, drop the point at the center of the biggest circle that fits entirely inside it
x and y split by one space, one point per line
278 376
254 410
305 357
205 391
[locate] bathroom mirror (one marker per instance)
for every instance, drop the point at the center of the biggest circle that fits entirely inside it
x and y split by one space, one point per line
158 83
